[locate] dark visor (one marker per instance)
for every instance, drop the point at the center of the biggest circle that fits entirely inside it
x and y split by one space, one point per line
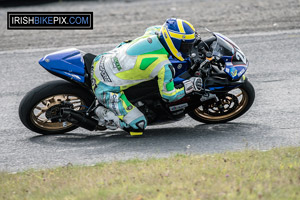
186 47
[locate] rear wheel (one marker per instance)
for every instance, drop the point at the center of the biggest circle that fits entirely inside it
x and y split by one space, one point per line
40 108
231 105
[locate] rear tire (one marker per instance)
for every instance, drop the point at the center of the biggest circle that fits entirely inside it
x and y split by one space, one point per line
210 114
35 104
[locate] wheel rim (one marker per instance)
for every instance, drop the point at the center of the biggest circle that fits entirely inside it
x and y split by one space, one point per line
214 114
38 113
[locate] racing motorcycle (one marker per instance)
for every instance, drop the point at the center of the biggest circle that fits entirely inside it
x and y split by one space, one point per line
63 105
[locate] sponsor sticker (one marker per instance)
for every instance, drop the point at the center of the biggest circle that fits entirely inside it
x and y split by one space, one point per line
241 72
234 73
178 107
102 70
113 103
116 63
73 76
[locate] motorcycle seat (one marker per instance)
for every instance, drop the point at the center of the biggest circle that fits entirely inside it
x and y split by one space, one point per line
88 61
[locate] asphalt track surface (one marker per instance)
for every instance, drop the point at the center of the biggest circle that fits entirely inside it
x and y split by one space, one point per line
272 121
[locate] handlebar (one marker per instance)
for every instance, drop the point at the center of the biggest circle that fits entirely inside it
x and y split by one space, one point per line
207 54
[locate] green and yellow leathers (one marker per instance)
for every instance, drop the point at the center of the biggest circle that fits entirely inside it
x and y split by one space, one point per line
137 61
129 64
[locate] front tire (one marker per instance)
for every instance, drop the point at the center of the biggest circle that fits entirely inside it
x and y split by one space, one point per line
45 100
236 103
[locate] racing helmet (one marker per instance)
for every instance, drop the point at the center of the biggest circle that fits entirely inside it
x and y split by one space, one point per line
177 36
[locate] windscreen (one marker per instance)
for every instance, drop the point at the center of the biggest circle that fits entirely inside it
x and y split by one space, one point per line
221 47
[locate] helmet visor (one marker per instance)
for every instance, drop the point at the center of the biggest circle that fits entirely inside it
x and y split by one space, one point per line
186 48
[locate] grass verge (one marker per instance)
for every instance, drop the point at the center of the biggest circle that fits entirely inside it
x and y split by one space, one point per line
273 174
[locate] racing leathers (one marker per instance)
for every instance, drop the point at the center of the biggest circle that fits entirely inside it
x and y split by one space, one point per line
127 65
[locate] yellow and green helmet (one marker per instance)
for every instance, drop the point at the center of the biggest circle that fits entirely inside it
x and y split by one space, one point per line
177 36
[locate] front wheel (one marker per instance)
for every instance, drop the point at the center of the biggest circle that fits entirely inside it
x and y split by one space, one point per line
42 104
230 106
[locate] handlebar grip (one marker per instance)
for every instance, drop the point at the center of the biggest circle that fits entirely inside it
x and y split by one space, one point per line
207 54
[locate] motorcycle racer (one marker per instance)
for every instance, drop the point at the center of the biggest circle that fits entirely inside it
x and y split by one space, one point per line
140 60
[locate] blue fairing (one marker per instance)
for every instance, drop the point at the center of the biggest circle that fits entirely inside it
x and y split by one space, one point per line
236 63
67 62
178 80
180 67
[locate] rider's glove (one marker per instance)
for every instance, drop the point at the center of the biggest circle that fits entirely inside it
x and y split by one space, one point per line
192 84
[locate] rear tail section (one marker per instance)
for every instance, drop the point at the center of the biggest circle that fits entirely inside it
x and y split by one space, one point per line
67 64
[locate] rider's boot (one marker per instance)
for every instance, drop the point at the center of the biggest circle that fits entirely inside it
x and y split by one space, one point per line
111 121
107 118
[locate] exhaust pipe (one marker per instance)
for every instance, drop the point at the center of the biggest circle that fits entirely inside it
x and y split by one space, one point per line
78 119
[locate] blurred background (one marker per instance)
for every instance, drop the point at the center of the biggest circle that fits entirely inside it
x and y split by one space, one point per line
117 20
9 3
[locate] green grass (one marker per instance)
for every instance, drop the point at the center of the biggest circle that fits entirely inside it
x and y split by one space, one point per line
273 174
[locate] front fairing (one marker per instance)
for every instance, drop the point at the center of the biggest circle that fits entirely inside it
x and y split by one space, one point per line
235 61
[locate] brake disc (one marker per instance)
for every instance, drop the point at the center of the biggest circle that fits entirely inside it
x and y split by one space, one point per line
226 104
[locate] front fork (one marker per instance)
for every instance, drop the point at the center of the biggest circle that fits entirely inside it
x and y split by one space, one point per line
212 94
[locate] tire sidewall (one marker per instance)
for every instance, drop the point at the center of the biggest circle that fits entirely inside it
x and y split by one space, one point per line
36 95
248 88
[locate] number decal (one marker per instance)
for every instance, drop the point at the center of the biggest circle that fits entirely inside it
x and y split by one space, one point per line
240 56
